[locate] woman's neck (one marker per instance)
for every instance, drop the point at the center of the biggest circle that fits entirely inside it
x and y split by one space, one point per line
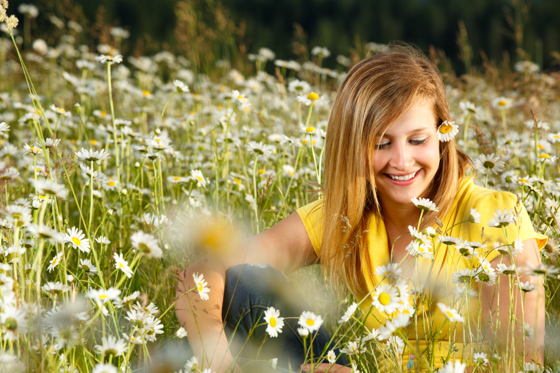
399 217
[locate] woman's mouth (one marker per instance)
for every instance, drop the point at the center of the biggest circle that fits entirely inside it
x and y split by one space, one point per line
403 177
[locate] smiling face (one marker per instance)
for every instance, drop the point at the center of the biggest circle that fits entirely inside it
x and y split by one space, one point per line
406 158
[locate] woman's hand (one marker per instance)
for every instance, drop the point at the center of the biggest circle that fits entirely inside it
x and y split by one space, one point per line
324 367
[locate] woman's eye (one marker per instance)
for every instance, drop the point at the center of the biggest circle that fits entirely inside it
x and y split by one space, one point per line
382 145
418 141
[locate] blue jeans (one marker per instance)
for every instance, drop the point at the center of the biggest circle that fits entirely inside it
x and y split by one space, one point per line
249 291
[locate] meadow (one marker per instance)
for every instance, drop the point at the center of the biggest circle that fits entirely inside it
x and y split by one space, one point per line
118 171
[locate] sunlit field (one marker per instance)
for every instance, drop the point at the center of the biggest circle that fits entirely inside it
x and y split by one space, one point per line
117 171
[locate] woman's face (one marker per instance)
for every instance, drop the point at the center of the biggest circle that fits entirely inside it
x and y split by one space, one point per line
406 158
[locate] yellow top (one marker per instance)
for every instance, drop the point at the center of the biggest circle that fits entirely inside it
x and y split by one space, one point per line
437 273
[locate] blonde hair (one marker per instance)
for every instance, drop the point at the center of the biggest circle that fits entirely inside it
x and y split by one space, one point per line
374 94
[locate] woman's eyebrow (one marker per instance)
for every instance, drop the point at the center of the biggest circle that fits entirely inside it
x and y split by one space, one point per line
409 133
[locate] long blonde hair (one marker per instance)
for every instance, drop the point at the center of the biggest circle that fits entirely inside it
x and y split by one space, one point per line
374 94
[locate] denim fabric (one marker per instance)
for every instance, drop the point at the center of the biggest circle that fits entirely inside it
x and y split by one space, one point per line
249 291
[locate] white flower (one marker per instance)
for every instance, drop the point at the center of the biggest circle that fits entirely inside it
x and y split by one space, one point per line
97 156
49 188
201 286
310 321
103 240
55 287
489 163
527 331
349 312
109 59
88 267
192 364
105 368
450 313
447 131
453 367
111 346
55 261
197 176
146 244
474 216
13 323
303 332
386 299
391 270
480 358
274 321
393 325
78 239
181 87
502 218
502 103
526 286
331 357
122 264
424 204
181 333
352 348
102 296
532 368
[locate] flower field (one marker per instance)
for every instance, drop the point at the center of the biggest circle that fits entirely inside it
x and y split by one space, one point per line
115 171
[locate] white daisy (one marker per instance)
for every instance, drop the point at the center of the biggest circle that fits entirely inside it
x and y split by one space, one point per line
489 163
391 270
480 358
474 216
424 204
450 313
274 321
453 367
502 103
386 299
97 156
181 333
146 244
349 312
105 368
103 296
181 87
502 218
78 239
201 286
55 261
310 321
447 131
111 346
197 176
122 264
109 59
88 267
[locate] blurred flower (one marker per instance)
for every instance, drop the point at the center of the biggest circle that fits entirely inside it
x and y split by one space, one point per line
274 321
111 347
502 103
310 321
450 313
146 244
109 59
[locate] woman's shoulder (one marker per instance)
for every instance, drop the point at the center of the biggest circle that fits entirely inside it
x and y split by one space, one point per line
485 200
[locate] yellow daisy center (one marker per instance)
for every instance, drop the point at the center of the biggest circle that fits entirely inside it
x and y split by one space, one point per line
273 322
111 183
103 114
200 287
384 298
523 181
450 314
310 322
445 128
542 156
261 171
310 129
103 296
176 178
76 241
502 103
200 179
313 96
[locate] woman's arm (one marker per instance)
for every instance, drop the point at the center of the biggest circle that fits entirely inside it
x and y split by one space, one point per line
531 310
286 247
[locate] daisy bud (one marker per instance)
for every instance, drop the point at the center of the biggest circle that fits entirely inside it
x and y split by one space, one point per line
303 332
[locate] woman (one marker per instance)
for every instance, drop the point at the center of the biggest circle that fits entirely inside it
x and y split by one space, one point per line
389 141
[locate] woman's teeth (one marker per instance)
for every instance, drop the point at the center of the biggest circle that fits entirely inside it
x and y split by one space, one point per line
403 178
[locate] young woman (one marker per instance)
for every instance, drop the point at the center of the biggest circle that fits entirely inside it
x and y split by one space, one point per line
388 142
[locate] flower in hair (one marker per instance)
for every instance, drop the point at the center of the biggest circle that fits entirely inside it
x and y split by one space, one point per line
447 130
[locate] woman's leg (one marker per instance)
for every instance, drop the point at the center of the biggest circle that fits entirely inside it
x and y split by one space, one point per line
252 289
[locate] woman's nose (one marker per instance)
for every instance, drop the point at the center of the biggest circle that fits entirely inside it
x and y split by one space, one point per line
401 158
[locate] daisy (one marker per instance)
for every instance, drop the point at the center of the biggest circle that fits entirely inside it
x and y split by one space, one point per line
13 323
201 286
4 127
197 176
97 156
395 343
424 204
310 99
502 218
450 313
109 183
310 321
78 239
386 299
447 131
474 216
390 270
105 368
9 174
449 240
45 232
103 296
192 365
55 288
122 264
463 276
453 367
480 358
399 322
260 149
88 267
54 262
331 357
352 348
146 244
102 240
30 149
506 270
181 87
303 332
502 103
526 286
489 163
527 331
111 346
49 188
274 321
177 179
349 312
543 270
119 303
181 333
532 368
109 59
